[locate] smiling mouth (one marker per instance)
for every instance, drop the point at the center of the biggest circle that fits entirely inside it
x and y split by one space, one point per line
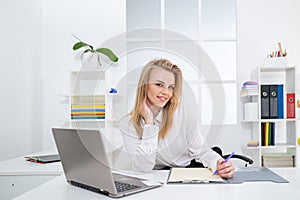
162 99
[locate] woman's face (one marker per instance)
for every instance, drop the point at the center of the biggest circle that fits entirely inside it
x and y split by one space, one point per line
160 88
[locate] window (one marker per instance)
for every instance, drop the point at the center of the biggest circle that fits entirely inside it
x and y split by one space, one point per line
209 24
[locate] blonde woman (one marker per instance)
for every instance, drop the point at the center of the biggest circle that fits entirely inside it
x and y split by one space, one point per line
161 131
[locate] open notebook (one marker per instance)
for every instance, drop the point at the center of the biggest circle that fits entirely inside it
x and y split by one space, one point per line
193 175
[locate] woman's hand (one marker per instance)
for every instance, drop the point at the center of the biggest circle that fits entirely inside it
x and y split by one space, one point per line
225 169
146 113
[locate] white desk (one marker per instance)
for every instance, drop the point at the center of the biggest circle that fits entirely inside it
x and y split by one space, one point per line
18 175
59 189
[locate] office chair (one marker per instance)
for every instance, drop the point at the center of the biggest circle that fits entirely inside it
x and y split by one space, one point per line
195 164
242 157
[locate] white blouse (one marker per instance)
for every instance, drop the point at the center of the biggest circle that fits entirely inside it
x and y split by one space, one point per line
182 143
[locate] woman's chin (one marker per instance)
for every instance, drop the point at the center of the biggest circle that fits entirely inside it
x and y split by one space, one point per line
159 105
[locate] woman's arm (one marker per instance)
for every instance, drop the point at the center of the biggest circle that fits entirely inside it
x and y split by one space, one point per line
201 152
142 151
197 144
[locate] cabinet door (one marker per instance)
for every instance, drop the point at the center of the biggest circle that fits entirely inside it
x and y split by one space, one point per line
12 186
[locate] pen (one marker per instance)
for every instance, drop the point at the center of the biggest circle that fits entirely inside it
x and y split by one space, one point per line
225 161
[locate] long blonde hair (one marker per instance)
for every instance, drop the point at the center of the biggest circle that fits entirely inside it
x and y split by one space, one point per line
169 108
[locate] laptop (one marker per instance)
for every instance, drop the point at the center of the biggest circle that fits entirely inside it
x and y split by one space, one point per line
86 165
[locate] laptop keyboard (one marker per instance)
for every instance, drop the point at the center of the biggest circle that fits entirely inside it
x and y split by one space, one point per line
121 187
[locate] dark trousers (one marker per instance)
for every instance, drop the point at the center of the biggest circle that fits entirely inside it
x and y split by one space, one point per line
193 164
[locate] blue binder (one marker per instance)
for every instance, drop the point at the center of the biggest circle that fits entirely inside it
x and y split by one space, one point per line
280 101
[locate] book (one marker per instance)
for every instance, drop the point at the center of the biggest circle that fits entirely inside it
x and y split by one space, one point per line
268 133
280 101
43 158
252 144
88 106
87 117
272 135
87 110
193 175
290 105
278 160
273 101
265 101
263 135
87 113
249 88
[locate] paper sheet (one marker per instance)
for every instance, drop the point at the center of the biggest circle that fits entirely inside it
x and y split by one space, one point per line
193 175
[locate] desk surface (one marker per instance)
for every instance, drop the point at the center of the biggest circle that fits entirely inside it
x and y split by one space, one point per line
59 189
19 166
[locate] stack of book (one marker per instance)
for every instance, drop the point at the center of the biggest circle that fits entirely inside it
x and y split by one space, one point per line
252 144
278 160
249 88
92 111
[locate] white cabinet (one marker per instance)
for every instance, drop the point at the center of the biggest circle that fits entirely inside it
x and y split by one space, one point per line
276 136
15 185
18 176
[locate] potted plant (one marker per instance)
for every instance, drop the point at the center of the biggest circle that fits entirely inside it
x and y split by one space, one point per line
89 49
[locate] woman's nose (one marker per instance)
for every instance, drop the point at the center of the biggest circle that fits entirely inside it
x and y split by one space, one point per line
165 90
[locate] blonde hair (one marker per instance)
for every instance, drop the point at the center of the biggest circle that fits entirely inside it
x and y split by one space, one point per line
169 108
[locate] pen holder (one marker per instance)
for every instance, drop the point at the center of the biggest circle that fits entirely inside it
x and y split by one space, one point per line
275 62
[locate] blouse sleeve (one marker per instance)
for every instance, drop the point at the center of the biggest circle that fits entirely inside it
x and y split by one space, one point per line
142 151
198 148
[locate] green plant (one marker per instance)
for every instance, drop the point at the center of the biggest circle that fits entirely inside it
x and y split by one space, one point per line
90 49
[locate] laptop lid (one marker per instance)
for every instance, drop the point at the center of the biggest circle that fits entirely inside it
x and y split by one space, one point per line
86 163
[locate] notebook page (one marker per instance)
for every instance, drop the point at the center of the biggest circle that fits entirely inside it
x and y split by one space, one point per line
193 175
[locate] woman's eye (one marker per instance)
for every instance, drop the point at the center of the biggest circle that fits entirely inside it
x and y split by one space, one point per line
159 84
172 87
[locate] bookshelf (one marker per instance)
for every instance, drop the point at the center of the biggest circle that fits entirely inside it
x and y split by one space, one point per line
274 131
91 105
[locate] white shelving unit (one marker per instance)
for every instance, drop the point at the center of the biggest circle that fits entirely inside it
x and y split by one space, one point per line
90 88
286 134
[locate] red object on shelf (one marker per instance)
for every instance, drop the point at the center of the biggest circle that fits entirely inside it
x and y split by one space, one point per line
290 105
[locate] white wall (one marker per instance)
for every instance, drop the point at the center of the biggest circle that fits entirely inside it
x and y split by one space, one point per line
93 21
21 82
31 81
260 25
36 58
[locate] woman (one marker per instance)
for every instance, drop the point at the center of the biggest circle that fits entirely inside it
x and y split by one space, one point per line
161 131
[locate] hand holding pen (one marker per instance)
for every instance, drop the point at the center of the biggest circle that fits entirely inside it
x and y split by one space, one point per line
225 167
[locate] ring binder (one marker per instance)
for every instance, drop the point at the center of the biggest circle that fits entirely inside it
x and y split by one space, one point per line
265 110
